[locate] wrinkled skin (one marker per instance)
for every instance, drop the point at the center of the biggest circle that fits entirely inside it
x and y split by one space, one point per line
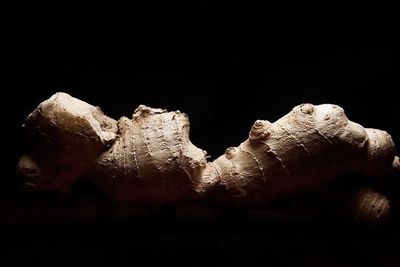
150 159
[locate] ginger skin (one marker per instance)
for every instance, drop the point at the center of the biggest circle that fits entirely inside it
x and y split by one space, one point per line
149 158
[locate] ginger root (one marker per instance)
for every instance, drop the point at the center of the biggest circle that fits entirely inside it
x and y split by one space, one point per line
149 159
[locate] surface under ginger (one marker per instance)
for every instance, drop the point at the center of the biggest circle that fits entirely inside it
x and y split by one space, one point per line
149 158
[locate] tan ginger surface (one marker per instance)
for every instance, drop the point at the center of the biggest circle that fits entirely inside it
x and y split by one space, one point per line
149 158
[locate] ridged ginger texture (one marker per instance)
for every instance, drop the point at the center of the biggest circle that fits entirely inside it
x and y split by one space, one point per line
149 158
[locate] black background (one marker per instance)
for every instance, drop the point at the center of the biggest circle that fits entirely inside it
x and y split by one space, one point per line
225 65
